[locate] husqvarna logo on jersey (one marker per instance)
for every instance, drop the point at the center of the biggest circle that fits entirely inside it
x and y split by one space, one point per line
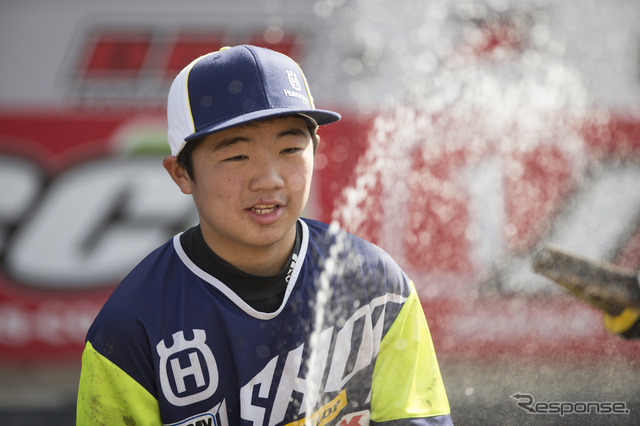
188 370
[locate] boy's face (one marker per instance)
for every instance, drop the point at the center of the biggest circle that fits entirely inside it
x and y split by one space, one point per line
251 183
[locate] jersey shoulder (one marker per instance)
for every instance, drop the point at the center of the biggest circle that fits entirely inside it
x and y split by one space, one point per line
356 259
145 280
332 236
124 323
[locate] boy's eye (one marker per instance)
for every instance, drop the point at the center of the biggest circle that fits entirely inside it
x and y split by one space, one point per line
291 150
236 158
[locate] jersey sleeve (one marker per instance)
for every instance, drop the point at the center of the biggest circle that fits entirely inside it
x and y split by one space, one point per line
108 396
407 385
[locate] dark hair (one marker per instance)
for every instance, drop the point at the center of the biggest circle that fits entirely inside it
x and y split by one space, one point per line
185 156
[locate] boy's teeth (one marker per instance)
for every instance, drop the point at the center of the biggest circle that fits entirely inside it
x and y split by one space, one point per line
262 209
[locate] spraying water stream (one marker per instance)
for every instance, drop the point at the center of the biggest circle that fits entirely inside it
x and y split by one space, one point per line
481 112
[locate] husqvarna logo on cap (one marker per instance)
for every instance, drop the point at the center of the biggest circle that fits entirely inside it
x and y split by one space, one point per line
293 79
235 86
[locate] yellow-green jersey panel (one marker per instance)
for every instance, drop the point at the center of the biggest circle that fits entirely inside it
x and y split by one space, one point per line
108 396
415 390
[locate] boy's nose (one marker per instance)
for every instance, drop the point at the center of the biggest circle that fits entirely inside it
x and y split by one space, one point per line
266 176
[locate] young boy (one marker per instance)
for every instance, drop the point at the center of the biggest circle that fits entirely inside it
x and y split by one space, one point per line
256 316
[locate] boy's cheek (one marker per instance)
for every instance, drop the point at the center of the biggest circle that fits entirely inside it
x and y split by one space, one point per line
299 182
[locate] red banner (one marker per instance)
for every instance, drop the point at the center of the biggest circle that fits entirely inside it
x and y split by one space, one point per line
85 198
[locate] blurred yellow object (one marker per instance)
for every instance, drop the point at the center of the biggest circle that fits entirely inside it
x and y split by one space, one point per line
618 324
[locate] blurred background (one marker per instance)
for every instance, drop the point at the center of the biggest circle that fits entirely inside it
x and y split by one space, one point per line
473 133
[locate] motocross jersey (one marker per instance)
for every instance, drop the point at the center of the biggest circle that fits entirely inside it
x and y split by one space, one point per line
349 345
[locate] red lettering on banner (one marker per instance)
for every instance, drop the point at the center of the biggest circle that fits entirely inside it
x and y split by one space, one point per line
122 54
118 54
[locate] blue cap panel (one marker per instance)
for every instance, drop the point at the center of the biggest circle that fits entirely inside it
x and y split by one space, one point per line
224 85
284 83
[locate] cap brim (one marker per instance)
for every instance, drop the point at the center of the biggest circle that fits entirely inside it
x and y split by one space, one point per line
320 116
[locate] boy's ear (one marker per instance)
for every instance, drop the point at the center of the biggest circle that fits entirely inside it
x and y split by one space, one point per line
177 173
316 144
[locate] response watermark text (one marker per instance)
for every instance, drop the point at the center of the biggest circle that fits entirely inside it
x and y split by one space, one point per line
526 402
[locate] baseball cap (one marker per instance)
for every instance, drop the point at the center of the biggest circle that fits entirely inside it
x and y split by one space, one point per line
234 86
